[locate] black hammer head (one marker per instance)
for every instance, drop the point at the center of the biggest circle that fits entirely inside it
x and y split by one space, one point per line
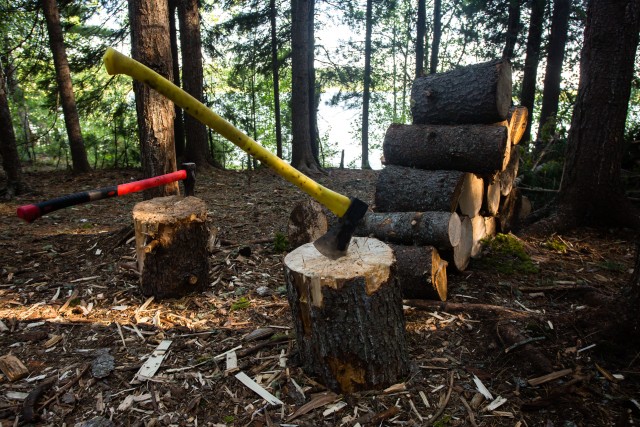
190 180
335 242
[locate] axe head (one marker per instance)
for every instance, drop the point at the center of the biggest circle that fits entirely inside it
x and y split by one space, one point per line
335 242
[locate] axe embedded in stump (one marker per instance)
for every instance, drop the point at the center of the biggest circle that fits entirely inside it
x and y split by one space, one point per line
350 210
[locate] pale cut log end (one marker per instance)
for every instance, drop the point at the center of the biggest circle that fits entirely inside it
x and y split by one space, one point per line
460 255
455 229
470 201
366 257
439 275
490 225
491 196
518 119
479 233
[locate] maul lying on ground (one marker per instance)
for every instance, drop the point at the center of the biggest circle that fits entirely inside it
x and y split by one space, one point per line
32 212
335 243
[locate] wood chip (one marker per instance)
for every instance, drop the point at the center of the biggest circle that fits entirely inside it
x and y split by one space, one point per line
151 366
12 367
549 377
317 401
255 387
482 389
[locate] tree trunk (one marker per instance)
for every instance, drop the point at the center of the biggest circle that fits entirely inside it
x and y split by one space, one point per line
439 229
402 189
421 272
529 78
421 31
171 246
513 28
275 76
348 316
150 45
197 148
301 155
8 147
178 121
437 33
469 148
479 93
553 73
63 77
366 94
314 95
591 190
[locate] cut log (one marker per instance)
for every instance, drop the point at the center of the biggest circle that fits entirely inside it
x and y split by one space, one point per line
469 148
307 222
491 201
460 255
171 245
403 189
509 174
490 226
507 151
518 117
439 229
479 233
471 196
348 316
478 93
421 272
511 207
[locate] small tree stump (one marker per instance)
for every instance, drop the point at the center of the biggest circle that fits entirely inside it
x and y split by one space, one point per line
171 244
421 272
348 315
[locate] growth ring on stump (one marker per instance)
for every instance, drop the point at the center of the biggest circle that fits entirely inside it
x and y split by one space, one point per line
348 315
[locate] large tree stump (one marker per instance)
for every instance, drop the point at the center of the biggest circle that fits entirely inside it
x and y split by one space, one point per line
403 189
439 229
171 244
469 148
421 272
478 93
348 315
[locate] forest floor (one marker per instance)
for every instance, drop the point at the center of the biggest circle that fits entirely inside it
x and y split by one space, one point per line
71 311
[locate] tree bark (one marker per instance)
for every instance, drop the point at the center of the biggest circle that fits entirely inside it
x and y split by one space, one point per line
421 272
439 229
197 147
529 78
65 87
366 93
150 45
478 93
469 148
348 316
275 76
553 73
301 155
171 246
437 33
402 189
8 146
513 28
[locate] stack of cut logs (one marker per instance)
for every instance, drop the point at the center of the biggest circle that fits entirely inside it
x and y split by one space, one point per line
448 180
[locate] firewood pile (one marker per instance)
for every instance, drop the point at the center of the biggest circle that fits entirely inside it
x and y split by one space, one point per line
448 180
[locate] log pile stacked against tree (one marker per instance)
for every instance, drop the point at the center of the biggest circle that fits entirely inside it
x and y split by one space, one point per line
448 180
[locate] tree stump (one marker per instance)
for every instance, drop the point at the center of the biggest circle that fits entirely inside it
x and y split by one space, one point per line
478 149
171 244
478 93
421 272
348 315
403 189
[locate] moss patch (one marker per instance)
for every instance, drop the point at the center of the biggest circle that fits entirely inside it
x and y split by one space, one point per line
505 253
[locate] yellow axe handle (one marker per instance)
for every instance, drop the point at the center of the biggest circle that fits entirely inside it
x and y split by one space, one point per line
117 63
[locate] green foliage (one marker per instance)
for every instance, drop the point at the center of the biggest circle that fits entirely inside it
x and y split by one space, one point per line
506 254
442 422
240 304
228 419
556 245
612 266
280 242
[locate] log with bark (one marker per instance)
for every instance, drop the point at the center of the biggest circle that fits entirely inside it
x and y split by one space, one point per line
469 148
171 245
421 272
348 315
439 229
404 189
518 118
471 196
460 255
478 93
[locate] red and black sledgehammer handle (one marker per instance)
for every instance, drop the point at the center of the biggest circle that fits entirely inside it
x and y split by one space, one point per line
32 212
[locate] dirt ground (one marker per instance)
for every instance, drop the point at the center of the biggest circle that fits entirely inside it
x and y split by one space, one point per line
71 311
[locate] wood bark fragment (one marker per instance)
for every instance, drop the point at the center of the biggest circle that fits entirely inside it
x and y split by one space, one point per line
421 272
403 189
478 93
439 229
509 335
171 245
478 149
13 368
348 315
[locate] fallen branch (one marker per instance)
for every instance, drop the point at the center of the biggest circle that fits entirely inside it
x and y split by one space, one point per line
472 418
442 407
28 407
376 418
452 307
66 387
